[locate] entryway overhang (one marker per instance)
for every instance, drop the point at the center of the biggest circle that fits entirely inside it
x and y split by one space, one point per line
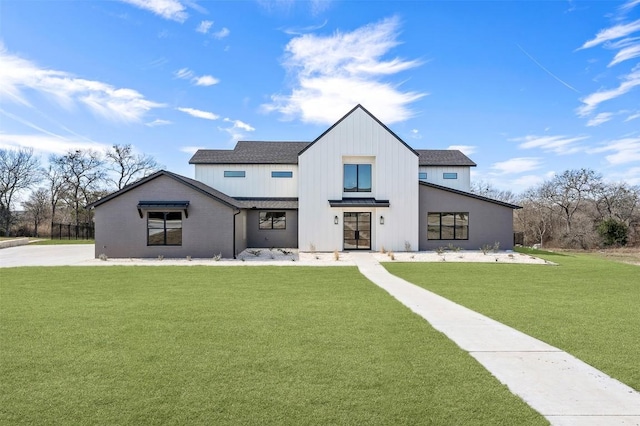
359 202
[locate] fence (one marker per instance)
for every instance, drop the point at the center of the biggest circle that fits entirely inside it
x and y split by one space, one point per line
68 231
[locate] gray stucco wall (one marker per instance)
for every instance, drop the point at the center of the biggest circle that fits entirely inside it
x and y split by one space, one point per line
488 222
241 231
120 232
281 238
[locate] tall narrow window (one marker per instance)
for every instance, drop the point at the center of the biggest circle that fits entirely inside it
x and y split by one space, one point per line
448 226
164 229
273 220
357 178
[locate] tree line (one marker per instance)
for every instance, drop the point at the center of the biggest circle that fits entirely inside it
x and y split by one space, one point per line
60 191
575 209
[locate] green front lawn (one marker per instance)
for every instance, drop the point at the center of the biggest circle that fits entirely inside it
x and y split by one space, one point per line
234 345
587 306
58 242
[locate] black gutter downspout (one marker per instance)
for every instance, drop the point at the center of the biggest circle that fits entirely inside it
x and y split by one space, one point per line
234 232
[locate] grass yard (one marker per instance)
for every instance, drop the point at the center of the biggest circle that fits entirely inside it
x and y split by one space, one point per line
48 242
587 306
216 345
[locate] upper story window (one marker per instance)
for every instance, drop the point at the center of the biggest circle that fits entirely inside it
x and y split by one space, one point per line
422 176
281 174
357 178
449 176
234 173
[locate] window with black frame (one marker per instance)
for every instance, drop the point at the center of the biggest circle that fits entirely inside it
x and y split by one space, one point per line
357 178
273 220
448 226
164 228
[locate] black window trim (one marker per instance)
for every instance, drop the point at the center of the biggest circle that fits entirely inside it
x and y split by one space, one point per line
454 226
285 174
344 190
284 213
164 228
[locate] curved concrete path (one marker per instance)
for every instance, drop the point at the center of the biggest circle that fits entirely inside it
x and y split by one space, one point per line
559 386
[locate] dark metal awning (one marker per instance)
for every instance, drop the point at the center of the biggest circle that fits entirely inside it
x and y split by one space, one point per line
359 202
163 205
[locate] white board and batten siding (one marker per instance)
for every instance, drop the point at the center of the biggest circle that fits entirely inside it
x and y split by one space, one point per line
394 171
256 183
435 175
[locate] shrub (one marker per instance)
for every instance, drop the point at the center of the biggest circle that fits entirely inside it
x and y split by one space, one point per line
613 232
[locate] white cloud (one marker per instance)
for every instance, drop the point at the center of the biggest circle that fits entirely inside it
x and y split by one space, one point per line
466 149
190 149
116 104
603 117
199 113
334 73
168 9
183 73
625 150
157 122
516 165
415 134
633 116
625 54
615 32
629 5
224 32
48 144
592 101
525 182
205 80
240 125
557 144
204 27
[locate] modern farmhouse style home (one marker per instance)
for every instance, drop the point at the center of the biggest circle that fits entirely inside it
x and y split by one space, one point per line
358 186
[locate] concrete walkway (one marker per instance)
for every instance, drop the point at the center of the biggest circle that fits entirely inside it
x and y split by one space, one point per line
562 388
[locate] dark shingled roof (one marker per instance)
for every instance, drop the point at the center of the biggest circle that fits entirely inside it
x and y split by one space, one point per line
252 152
198 186
469 194
268 203
443 157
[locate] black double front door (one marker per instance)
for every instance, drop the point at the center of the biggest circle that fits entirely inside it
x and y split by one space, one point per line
357 231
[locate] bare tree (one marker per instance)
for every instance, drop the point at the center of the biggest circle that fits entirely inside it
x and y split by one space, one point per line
56 183
486 189
19 170
128 166
37 208
82 173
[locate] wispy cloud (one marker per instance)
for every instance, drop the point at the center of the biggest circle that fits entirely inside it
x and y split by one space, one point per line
157 122
592 101
626 53
331 74
465 149
558 144
224 32
47 144
625 150
237 129
286 6
203 80
629 5
172 10
633 116
415 134
104 100
612 33
516 165
304 30
204 27
603 117
199 113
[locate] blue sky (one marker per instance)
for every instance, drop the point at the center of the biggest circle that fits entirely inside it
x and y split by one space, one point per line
525 88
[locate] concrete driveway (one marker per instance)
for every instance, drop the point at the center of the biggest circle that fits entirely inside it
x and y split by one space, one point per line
53 255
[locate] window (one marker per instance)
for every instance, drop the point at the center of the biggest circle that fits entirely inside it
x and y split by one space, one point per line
448 226
449 176
273 220
234 173
422 176
281 174
357 178
164 229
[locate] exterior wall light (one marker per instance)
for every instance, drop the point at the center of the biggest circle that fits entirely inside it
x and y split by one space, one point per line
335 220
381 220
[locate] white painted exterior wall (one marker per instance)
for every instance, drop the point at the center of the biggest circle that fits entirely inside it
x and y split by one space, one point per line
256 183
434 175
394 178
